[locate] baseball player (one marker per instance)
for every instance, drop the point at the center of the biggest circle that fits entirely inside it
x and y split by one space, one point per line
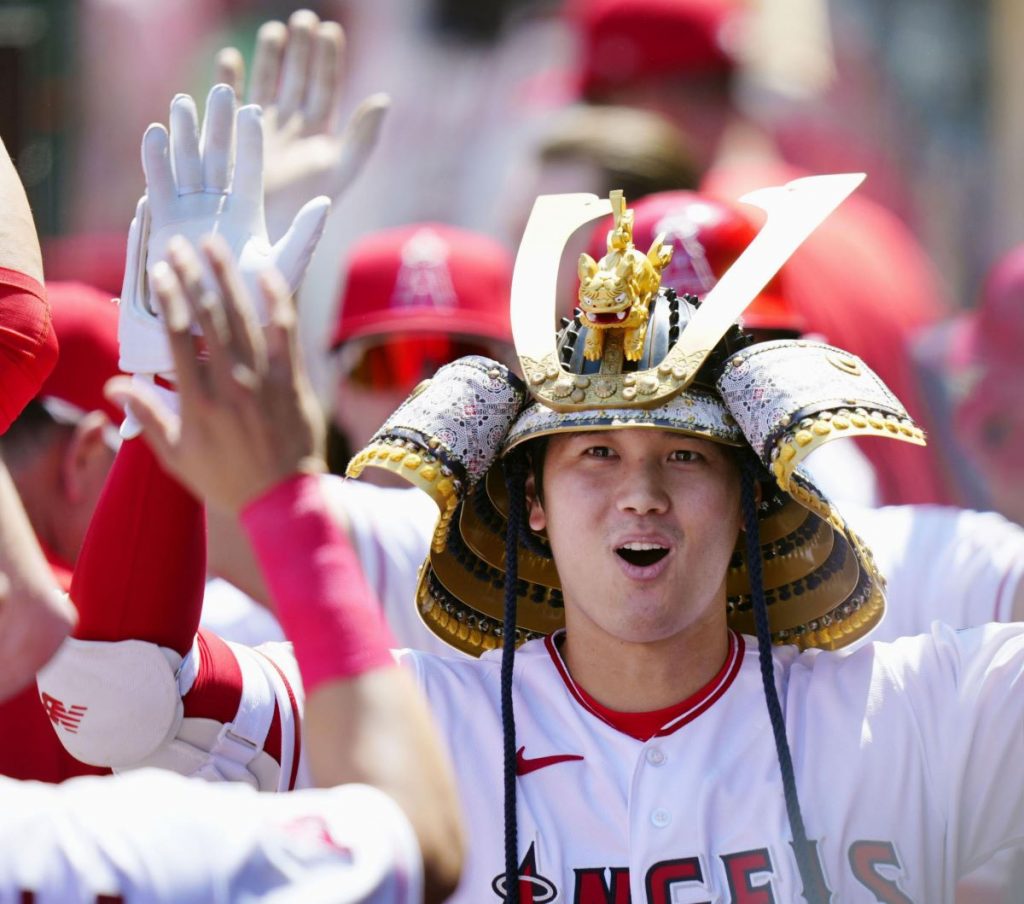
636 759
155 836
387 833
34 617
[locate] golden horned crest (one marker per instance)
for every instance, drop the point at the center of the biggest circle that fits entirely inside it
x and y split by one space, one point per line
616 292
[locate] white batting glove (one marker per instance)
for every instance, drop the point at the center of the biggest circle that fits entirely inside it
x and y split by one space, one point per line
198 185
297 77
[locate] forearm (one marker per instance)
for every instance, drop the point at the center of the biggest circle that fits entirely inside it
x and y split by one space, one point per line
365 721
229 556
142 568
34 616
19 244
376 730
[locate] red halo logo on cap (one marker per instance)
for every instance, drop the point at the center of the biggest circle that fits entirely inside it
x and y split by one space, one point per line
689 270
424 280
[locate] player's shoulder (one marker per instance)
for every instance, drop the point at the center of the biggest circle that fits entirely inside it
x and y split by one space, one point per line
483 672
941 649
382 503
931 526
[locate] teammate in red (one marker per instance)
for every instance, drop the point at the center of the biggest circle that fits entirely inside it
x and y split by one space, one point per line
59 451
679 58
970 375
390 834
414 298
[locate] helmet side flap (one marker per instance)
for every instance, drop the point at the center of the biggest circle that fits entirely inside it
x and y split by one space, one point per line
790 397
447 434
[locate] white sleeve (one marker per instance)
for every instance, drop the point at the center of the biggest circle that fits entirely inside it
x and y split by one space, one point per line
943 564
152 836
237 617
926 736
391 530
963 693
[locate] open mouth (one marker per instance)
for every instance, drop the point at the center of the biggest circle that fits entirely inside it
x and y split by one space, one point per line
642 554
616 317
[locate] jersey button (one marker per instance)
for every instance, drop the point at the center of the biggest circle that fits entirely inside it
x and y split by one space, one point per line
654 756
660 818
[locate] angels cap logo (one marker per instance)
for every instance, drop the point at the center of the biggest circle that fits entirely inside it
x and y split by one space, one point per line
424 280
688 271
533 888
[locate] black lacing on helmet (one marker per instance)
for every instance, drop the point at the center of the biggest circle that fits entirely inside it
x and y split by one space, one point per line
515 481
805 855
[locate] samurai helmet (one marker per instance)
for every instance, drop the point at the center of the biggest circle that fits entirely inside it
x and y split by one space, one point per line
636 354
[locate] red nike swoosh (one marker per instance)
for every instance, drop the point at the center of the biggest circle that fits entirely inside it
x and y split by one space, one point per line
525 766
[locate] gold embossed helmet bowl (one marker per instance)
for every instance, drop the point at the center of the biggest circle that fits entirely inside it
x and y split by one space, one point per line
636 355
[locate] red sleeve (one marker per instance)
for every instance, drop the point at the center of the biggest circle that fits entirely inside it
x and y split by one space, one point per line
28 344
142 568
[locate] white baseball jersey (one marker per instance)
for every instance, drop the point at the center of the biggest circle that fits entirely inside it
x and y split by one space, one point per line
390 531
944 564
957 566
235 616
909 761
866 700
154 836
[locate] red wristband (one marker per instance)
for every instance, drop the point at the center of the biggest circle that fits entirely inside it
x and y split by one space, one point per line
323 602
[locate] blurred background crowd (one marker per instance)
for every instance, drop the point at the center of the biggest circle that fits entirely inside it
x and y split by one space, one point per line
493 103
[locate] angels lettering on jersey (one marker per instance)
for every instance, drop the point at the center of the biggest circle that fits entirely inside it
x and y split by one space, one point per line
746 877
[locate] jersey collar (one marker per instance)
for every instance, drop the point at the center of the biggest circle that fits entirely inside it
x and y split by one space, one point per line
660 722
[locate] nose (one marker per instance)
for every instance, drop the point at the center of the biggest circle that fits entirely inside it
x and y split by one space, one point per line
642 489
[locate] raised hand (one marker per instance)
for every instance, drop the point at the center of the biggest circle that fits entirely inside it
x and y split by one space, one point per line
205 183
248 417
297 80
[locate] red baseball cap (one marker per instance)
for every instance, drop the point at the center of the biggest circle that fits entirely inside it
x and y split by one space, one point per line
623 41
85 321
707 236
426 278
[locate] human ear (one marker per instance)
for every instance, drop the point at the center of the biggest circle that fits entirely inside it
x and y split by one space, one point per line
535 511
87 457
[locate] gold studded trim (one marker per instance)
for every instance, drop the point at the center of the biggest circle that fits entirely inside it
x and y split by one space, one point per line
421 469
849 620
787 561
790 397
560 390
801 438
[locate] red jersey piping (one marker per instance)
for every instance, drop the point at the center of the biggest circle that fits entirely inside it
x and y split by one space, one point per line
676 716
